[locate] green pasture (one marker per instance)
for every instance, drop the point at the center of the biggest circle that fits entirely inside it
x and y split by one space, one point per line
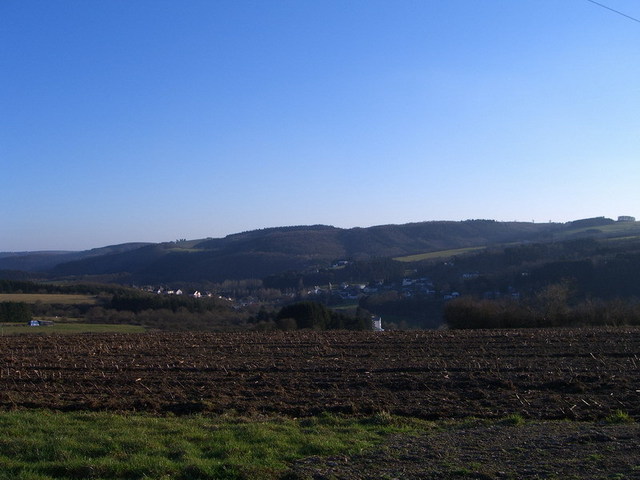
630 239
614 230
439 254
49 298
45 445
62 328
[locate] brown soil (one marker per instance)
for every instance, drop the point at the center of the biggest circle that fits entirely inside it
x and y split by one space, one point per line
581 375
477 450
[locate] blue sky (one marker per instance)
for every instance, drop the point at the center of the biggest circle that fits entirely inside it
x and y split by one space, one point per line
152 120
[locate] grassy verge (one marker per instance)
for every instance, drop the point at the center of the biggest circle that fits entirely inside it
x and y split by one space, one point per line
44 445
21 329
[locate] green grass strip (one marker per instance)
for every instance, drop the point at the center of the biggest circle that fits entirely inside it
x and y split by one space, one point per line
439 254
44 445
49 298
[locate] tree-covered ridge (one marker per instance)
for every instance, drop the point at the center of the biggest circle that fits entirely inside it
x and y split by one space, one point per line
260 253
18 286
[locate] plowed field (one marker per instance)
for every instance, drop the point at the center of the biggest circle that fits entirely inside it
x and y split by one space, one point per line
583 374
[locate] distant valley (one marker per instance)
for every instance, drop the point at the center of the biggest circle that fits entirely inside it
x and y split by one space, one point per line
469 274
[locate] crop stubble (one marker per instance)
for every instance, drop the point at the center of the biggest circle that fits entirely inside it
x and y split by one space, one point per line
581 374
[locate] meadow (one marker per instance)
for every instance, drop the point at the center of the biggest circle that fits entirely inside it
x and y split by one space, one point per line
68 328
40 444
49 298
439 254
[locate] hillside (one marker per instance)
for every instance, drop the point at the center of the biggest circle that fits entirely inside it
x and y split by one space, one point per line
260 253
45 260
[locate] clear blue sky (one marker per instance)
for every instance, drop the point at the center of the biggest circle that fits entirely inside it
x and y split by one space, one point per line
152 120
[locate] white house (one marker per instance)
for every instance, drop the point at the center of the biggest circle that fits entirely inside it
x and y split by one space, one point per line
376 323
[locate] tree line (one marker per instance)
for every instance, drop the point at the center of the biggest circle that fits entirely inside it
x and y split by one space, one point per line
551 307
136 301
15 312
312 316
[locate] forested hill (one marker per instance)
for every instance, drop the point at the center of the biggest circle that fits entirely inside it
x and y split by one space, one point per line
45 260
259 253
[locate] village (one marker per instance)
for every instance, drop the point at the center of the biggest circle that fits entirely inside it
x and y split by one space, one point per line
335 295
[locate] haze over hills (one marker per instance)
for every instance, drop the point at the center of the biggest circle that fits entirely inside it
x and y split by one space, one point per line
259 253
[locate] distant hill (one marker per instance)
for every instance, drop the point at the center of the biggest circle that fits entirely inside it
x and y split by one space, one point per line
260 253
43 261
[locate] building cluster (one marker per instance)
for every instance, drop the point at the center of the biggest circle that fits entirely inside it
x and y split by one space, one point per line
346 292
407 288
